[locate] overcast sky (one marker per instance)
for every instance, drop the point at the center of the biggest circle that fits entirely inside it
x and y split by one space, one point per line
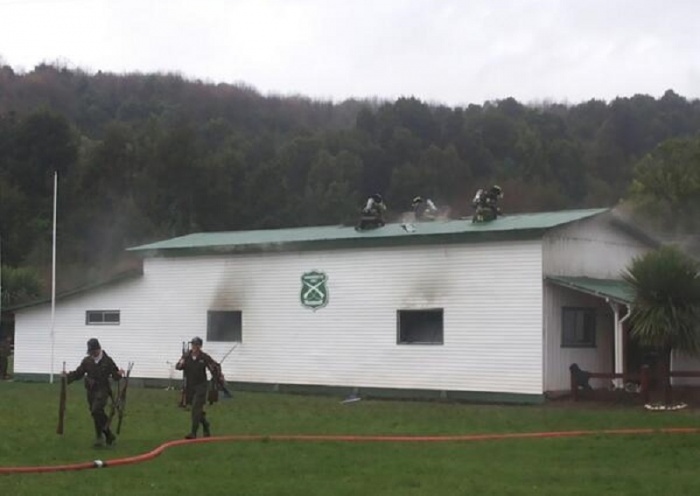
442 51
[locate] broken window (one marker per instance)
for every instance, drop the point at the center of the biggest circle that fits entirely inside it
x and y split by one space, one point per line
102 317
224 325
420 326
578 327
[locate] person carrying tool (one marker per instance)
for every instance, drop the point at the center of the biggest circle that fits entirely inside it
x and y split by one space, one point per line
5 352
195 364
97 368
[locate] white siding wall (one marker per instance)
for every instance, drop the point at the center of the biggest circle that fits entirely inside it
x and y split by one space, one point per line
591 247
558 359
33 330
491 294
682 362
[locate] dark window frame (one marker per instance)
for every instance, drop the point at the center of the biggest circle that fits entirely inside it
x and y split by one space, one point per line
104 317
404 330
579 338
215 336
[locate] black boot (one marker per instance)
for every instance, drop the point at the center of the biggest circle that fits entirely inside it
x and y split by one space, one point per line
99 440
206 425
193 432
109 437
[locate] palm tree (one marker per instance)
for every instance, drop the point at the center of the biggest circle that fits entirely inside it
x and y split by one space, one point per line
666 307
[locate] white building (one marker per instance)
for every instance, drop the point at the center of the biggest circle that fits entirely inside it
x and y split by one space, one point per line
489 312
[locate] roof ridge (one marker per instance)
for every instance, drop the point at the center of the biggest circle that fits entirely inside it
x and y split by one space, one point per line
527 224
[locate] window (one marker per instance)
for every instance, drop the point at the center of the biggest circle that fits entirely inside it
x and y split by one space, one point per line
102 317
224 326
419 326
578 327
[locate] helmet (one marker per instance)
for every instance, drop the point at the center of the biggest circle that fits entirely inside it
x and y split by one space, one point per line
93 345
417 200
496 190
197 341
377 197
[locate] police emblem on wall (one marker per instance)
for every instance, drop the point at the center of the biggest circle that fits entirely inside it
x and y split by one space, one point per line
314 292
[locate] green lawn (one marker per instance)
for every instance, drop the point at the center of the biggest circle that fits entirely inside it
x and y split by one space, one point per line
658 464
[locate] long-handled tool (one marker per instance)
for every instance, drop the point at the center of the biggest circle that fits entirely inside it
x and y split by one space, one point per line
121 398
62 401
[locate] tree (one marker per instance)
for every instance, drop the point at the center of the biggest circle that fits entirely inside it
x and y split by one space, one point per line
666 306
44 143
408 181
175 171
565 161
295 159
145 156
19 285
330 197
666 183
417 117
16 227
266 198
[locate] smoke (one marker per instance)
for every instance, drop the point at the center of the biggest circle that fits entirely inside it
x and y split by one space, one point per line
230 292
661 226
442 215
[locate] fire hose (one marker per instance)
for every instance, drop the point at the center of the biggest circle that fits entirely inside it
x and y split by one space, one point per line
338 438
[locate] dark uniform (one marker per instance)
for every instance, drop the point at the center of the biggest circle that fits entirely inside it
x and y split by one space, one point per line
424 209
485 203
372 215
195 364
97 368
5 352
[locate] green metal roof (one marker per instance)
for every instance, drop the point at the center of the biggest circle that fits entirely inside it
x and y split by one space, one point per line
507 227
616 290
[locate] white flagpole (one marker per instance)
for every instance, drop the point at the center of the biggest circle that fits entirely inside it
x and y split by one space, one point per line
53 274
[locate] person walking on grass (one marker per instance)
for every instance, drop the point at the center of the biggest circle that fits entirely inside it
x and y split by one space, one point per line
195 363
96 369
5 352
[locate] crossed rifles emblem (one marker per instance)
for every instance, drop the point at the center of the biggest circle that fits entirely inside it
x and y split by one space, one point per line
314 293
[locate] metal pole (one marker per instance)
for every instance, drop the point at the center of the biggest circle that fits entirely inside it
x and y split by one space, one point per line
53 275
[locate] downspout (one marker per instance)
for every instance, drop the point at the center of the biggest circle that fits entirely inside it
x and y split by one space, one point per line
622 330
618 340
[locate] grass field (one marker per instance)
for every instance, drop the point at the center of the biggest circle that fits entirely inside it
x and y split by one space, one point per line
658 464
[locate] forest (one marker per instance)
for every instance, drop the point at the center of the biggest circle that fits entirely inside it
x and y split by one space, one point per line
143 157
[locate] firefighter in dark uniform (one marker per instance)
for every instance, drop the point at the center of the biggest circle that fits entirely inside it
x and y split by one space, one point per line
424 208
97 368
195 364
5 352
485 204
372 215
